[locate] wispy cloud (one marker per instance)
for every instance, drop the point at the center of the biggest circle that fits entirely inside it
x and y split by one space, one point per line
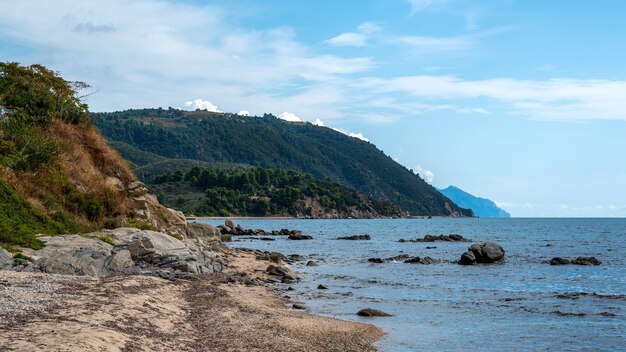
360 38
421 5
554 99
431 45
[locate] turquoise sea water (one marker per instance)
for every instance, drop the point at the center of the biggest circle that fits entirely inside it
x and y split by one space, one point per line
521 305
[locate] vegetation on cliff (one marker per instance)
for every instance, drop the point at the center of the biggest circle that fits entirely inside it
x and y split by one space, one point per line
264 192
57 174
154 138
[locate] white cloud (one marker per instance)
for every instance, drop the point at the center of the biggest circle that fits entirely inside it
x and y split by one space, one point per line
429 45
287 116
473 111
244 113
364 31
554 99
318 122
358 136
348 39
202 105
427 175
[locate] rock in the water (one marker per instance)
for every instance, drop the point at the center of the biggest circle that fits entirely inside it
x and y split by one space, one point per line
356 238
322 287
375 260
440 238
429 260
487 252
299 237
413 260
559 261
298 306
467 258
368 312
277 270
311 263
586 261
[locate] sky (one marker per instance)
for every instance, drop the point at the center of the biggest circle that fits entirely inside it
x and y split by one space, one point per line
519 101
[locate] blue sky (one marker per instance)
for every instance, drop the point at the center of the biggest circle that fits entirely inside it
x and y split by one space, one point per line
522 102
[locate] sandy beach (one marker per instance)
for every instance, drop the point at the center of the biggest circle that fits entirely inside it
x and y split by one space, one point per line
45 312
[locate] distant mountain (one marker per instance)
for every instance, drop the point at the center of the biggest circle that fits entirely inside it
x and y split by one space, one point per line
483 208
156 139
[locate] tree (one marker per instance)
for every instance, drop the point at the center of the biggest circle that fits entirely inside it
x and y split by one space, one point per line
41 94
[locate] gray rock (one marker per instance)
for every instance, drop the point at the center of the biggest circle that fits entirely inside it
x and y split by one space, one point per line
467 258
277 270
298 306
559 261
322 287
487 252
429 260
311 263
230 224
586 261
369 312
136 189
207 232
5 257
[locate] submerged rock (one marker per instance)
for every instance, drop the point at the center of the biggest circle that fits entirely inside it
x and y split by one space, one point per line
322 287
311 263
356 238
577 261
586 261
299 237
441 238
369 312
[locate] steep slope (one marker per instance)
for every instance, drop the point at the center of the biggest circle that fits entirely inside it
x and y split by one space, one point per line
57 173
482 207
272 143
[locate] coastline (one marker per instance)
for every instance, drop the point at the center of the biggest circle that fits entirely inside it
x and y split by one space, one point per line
47 312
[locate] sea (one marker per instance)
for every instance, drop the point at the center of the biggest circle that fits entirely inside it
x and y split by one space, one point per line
523 304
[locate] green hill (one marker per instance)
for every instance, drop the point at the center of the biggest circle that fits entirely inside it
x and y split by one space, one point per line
154 138
257 191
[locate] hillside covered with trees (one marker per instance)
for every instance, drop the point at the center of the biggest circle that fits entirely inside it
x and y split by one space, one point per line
264 192
154 139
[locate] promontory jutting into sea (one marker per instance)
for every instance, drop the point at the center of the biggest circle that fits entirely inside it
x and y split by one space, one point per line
403 175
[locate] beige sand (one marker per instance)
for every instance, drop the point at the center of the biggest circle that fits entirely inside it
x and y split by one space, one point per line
42 312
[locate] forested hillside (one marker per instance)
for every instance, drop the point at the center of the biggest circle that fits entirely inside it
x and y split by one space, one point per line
153 138
264 192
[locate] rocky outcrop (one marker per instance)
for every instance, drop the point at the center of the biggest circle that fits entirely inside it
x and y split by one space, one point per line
122 251
299 237
577 261
206 232
441 238
485 253
356 238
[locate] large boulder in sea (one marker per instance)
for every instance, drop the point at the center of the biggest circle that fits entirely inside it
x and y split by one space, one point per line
369 312
485 253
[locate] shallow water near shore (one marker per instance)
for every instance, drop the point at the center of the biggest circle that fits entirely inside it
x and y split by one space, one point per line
523 304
